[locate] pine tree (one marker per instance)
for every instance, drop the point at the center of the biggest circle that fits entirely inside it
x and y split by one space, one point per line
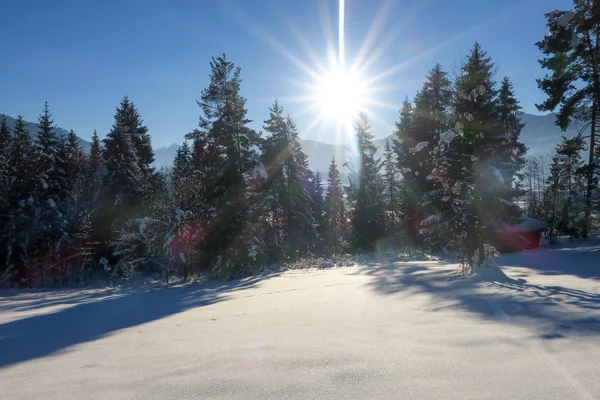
75 159
367 218
95 194
335 212
51 176
51 192
391 190
96 157
5 182
130 121
403 146
509 152
478 159
224 139
287 170
316 193
184 189
569 172
123 181
5 135
22 216
572 55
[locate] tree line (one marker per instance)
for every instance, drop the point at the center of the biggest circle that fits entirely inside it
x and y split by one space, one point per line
236 200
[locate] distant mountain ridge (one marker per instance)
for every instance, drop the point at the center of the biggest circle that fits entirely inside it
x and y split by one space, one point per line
33 128
540 134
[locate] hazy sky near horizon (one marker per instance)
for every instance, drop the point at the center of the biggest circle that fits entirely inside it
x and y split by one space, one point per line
83 56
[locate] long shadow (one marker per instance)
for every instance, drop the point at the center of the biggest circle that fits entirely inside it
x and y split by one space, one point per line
553 311
27 300
42 335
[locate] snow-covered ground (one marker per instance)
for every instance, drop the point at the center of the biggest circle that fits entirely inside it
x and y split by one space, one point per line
379 330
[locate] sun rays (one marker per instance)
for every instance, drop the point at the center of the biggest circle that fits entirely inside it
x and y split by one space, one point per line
335 85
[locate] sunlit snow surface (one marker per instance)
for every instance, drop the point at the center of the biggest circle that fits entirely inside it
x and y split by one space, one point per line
382 329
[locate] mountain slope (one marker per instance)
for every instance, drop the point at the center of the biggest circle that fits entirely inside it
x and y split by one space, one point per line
32 127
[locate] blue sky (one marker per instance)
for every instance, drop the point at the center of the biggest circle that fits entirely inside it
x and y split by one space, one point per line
83 56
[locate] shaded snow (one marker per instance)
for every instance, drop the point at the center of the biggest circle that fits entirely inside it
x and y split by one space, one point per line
260 169
383 329
490 274
448 136
528 224
565 18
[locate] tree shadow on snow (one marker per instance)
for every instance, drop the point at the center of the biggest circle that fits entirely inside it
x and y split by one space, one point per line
96 316
553 311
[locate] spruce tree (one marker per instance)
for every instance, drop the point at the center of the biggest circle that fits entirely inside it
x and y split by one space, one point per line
391 190
367 218
95 196
568 173
316 192
130 121
75 159
335 212
51 191
403 146
572 55
123 183
478 159
225 140
5 136
182 179
5 182
96 157
22 215
287 170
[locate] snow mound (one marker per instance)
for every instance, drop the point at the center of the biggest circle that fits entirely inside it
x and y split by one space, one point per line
565 18
490 274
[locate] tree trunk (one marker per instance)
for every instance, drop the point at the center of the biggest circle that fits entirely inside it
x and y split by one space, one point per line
481 249
590 172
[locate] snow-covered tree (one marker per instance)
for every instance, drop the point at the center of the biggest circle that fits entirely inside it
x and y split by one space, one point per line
22 210
478 159
417 132
226 151
287 169
123 182
336 215
96 156
75 161
5 182
50 194
567 187
572 56
392 191
367 219
316 191
184 185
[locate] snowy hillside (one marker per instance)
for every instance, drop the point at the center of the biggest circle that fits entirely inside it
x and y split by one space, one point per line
395 329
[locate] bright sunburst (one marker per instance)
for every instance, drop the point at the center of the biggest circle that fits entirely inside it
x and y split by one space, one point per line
340 95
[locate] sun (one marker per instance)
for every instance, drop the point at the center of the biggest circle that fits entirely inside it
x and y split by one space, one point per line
340 95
